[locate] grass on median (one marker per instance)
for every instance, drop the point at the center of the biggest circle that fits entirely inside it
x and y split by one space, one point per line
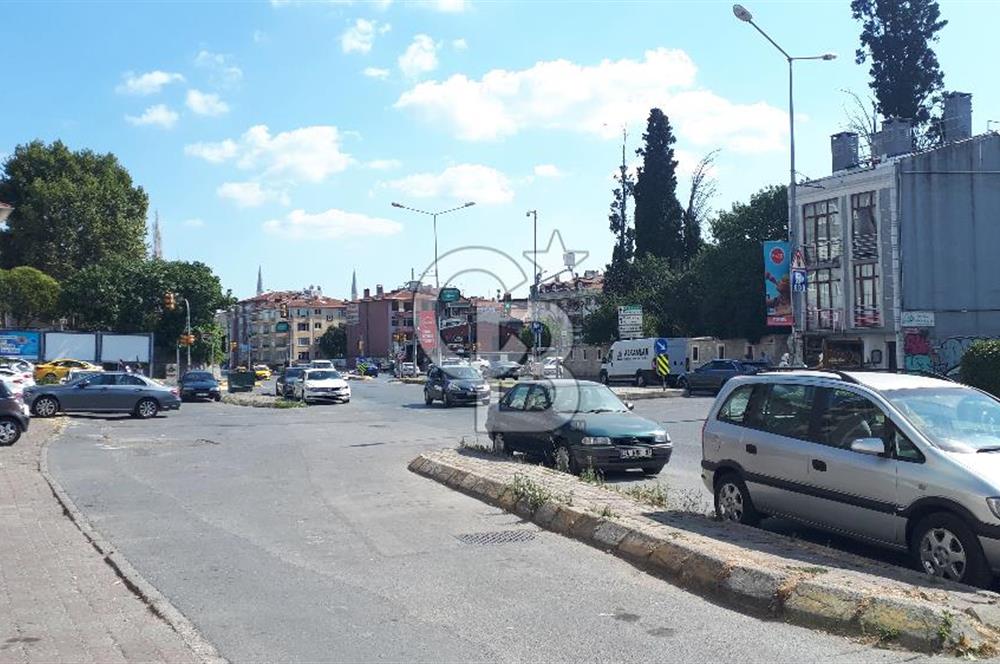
536 494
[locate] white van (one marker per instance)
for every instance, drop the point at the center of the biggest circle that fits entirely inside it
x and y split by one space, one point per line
634 360
321 364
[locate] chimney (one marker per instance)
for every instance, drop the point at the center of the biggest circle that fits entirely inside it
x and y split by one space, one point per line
956 123
379 292
896 138
844 148
368 293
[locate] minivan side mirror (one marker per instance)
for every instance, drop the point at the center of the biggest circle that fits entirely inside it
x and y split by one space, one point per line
630 405
872 446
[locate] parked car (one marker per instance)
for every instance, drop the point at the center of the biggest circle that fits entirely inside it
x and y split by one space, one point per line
107 392
634 360
55 370
321 385
501 370
455 384
14 380
408 369
286 381
907 462
321 364
262 372
199 385
552 367
575 425
24 367
712 376
14 418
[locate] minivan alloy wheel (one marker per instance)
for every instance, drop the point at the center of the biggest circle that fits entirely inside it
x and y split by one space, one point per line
730 502
942 554
9 432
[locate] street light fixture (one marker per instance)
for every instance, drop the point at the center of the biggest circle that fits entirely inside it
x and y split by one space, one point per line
435 216
798 319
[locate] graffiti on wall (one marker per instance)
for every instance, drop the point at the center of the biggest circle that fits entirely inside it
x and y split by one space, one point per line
922 353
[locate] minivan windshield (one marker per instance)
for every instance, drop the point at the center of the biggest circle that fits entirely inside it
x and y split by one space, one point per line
586 399
198 375
950 416
322 374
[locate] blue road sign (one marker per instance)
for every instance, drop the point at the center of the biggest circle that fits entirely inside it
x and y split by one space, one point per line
536 327
799 281
660 346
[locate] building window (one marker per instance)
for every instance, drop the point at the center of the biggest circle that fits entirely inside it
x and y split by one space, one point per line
819 299
694 353
317 311
864 229
720 352
749 353
329 319
866 309
302 341
317 326
822 230
304 356
302 327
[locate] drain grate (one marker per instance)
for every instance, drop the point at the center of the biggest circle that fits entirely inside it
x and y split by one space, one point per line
496 537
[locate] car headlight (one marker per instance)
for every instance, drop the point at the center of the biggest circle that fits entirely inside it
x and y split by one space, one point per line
994 504
595 440
661 437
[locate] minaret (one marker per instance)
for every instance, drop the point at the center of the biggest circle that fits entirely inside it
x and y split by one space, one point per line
157 240
354 285
260 281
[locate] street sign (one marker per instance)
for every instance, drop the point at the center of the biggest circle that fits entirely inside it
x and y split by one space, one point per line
537 327
660 346
630 321
449 295
281 326
663 365
917 319
799 281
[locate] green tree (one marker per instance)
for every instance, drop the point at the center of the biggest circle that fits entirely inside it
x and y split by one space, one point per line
895 37
333 343
527 337
658 213
208 345
980 366
71 209
29 295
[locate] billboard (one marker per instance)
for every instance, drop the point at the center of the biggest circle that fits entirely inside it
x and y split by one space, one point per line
21 344
78 346
126 347
427 330
777 283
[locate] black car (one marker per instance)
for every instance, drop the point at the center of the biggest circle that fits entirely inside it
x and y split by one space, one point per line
286 381
456 385
199 385
501 370
13 419
712 376
576 425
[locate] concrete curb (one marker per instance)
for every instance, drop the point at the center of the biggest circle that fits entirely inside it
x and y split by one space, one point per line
248 401
150 596
754 571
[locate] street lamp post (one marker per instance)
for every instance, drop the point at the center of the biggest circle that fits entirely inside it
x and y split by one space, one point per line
798 310
437 284
534 287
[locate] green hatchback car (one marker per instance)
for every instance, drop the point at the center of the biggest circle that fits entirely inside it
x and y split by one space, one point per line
575 425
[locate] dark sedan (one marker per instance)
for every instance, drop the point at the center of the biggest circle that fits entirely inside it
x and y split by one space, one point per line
285 383
199 385
107 392
712 376
453 385
575 425
501 370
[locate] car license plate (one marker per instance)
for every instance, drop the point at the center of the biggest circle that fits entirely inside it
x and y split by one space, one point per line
636 453
201 394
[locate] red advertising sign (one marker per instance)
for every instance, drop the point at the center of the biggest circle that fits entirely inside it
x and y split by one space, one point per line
427 330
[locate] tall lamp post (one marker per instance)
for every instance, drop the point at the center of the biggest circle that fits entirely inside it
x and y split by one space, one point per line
437 284
798 310
534 287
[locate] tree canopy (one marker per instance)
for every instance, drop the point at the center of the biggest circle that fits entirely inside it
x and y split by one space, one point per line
333 342
29 295
896 37
658 213
71 210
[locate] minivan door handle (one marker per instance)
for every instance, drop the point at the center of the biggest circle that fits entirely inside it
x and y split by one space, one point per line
819 465
751 449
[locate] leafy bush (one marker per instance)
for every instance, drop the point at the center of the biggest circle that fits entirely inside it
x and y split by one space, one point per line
981 366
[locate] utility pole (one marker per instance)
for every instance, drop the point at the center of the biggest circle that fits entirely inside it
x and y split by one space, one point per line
187 307
534 289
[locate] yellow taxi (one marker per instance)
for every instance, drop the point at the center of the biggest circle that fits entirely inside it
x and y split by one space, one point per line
54 371
261 371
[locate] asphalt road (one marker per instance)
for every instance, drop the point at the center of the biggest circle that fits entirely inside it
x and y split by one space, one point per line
300 535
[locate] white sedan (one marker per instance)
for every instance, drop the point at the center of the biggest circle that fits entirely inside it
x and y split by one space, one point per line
321 385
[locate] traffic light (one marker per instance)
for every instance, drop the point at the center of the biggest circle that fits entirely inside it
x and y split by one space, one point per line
233 346
186 340
169 301
283 309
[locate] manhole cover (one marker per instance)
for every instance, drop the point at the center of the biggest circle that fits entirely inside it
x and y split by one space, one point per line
496 537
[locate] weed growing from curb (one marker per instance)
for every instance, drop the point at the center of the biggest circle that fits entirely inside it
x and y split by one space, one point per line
944 629
475 446
534 493
592 476
655 494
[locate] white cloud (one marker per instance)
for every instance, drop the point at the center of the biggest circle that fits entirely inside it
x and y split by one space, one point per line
205 103
193 223
215 153
597 99
459 44
157 116
146 84
547 171
360 37
375 72
309 153
250 194
420 57
384 164
465 182
330 225
221 67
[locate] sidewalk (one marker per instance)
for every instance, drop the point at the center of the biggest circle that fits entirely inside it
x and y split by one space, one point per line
59 600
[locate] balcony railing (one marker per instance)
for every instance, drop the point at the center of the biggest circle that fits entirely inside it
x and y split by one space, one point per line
865 316
864 247
823 252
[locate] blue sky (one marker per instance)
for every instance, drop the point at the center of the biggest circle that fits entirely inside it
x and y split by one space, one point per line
278 133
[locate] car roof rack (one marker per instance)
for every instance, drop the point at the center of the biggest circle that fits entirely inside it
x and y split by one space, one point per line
847 378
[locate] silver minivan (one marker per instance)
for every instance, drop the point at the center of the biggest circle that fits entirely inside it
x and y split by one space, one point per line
899 460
